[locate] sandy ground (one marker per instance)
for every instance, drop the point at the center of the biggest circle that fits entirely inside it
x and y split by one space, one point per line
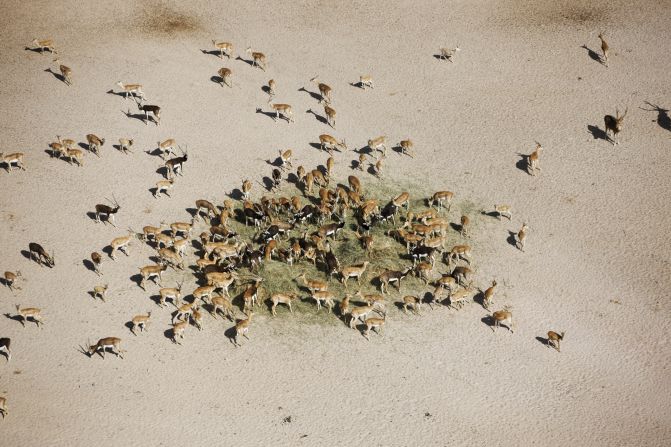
596 264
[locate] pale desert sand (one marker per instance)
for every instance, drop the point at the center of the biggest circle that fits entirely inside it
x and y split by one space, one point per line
596 263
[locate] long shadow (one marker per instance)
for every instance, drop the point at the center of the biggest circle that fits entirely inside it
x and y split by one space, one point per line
663 119
316 146
216 53
597 133
230 334
543 340
58 76
512 238
38 50
357 84
137 116
593 54
320 118
265 89
235 194
314 95
271 115
89 265
267 183
107 250
248 61
15 318
137 279
488 320
522 163
218 80
154 152
112 92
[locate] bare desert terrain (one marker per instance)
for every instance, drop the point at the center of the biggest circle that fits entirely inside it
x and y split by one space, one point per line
596 261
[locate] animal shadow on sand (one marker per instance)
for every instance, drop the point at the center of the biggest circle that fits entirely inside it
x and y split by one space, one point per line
593 54
597 133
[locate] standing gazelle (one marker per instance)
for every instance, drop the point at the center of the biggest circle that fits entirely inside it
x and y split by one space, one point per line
324 90
65 72
604 49
225 76
533 160
135 90
258 58
224 48
44 44
554 338
283 110
613 125
9 160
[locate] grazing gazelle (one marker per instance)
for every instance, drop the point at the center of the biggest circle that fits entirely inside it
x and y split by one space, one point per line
365 81
503 316
12 159
406 147
225 76
440 197
225 48
100 291
554 338
94 143
283 110
135 90
613 125
329 143
125 145
155 111
40 255
324 90
330 113
104 344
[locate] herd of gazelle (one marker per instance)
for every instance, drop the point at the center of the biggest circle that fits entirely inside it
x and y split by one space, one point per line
172 254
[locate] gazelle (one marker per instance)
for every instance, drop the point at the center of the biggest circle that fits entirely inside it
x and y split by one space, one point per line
57 150
5 344
40 255
148 109
406 147
324 90
463 275
440 197
282 298
503 317
170 257
359 313
176 165
377 166
242 328
488 295
225 75
182 228
464 227
225 48
100 291
285 158
223 281
125 145
167 147
327 297
365 81
10 279
374 300
613 124
104 344
197 318
378 144
258 58
448 53
208 207
223 304
521 236
460 252
362 161
94 143
460 297
132 89
392 276
329 143
75 154
178 330
413 302
283 110
12 159
66 72
554 339
503 210
173 294
184 312
533 160
152 272
163 186
44 44
353 271
140 321
108 211
330 113
27 313
604 49
374 323
314 285
204 293
121 243
271 88
344 305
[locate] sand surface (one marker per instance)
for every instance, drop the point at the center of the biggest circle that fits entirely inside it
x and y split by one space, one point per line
596 263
